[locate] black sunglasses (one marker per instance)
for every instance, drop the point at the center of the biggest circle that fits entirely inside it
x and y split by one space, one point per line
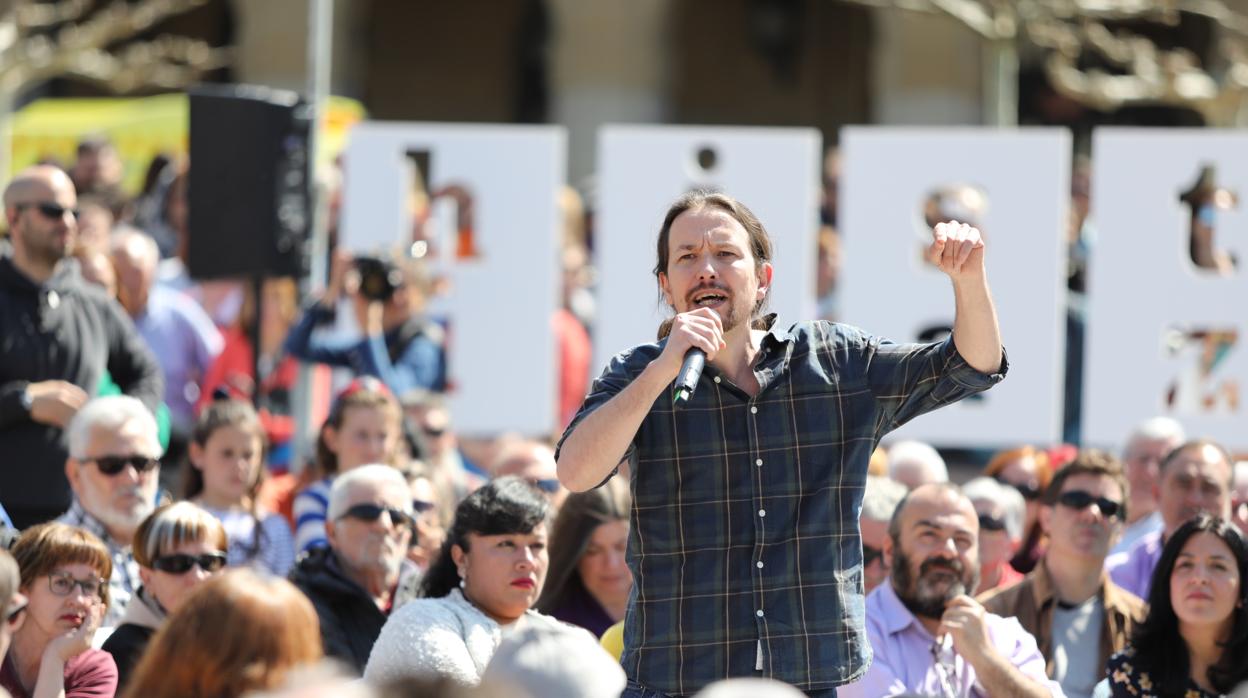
870 554
420 506
49 209
181 563
1078 499
111 465
987 522
1029 493
371 512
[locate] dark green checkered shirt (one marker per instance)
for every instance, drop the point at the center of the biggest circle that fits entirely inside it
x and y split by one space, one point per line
744 540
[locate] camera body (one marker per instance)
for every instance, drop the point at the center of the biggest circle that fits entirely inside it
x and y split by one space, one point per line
379 278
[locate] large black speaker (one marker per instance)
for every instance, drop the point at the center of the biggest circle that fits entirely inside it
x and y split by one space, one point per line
249 193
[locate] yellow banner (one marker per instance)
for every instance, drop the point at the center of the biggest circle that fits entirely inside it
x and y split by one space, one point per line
140 128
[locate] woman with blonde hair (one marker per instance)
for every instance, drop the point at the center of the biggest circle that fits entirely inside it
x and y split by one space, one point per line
64 572
237 633
178 547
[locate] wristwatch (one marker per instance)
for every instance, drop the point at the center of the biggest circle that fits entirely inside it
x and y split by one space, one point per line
28 402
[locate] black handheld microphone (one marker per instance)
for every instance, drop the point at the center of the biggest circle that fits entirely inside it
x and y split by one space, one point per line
687 379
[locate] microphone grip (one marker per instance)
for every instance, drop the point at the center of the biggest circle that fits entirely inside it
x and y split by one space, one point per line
690 373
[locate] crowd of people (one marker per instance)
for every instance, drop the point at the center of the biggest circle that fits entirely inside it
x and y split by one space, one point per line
163 540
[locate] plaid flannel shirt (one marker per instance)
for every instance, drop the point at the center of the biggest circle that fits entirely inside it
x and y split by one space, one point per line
744 541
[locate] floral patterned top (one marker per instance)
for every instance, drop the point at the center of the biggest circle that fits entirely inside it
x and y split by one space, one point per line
1129 681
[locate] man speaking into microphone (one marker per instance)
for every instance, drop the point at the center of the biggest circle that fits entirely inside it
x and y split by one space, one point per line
743 540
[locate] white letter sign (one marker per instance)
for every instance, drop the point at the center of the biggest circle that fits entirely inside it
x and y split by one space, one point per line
494 189
1013 185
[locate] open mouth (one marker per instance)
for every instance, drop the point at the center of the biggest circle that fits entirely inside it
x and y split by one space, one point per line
709 298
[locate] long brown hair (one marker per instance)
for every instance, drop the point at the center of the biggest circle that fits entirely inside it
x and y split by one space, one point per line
364 392
580 514
236 633
759 240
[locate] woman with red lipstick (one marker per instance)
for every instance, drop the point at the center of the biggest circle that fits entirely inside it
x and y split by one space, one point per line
1197 598
480 589
588 582
65 573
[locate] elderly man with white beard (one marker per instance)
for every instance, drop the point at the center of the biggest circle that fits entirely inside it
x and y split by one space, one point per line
114 471
354 583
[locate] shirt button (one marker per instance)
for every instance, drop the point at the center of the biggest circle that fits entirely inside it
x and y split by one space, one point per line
753 410
762 512
760 564
716 379
759 613
758 461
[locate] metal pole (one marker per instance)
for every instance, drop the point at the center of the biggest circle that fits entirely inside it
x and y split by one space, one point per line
319 61
1000 83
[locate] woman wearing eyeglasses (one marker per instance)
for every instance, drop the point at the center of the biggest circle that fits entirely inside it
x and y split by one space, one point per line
1027 470
1194 641
588 582
481 589
12 602
64 572
178 547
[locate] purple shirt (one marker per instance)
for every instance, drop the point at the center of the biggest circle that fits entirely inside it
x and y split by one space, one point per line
1133 570
903 661
185 343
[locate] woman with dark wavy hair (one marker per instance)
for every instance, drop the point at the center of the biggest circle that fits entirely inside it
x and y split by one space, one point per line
1197 598
481 589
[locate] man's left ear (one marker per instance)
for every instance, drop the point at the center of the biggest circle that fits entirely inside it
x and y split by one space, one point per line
764 281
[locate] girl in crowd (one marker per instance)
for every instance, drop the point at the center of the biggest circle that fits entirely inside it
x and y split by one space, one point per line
12 602
178 547
1027 470
588 582
225 470
64 572
481 588
364 426
238 633
1198 598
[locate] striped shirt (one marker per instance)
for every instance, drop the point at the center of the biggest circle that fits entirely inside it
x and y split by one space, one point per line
274 552
744 540
310 509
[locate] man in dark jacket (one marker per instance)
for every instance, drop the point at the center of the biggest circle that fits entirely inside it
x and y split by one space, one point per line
353 583
58 337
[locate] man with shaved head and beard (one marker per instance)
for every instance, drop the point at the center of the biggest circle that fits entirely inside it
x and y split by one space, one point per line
59 337
927 634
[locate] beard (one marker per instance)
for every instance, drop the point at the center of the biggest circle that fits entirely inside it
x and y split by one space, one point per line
119 516
922 594
42 247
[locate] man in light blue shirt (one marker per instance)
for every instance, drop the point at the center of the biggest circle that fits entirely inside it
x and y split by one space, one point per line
176 329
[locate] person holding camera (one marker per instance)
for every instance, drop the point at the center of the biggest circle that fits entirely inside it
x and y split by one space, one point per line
400 346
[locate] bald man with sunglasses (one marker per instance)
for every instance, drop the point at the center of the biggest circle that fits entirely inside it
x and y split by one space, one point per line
1077 614
60 335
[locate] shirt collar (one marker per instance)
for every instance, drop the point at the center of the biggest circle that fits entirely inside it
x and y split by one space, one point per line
83 519
896 616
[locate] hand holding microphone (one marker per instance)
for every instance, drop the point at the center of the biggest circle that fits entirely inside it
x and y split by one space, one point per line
696 337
